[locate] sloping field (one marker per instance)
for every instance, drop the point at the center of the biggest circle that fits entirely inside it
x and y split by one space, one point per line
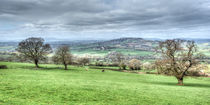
22 84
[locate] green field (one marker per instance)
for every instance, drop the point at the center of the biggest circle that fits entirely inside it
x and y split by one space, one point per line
22 84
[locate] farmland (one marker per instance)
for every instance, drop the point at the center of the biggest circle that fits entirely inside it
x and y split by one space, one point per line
23 84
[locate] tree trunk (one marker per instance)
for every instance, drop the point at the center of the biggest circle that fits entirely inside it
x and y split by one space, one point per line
66 68
180 81
36 63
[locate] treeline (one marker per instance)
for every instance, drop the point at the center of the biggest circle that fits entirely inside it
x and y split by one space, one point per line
178 58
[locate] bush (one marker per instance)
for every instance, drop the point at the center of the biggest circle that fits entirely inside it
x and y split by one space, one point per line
122 65
148 66
193 73
99 63
3 67
114 64
162 67
198 70
134 64
83 61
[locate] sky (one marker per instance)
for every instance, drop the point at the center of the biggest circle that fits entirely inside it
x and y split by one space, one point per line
103 19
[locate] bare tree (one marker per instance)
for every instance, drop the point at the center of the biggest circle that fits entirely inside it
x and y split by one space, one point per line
63 56
118 59
178 57
83 61
34 49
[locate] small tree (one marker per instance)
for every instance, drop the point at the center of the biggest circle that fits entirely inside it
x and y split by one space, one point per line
134 64
62 56
148 66
83 61
178 57
34 49
115 57
99 63
122 65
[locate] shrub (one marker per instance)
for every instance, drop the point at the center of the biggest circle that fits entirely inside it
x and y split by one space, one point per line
83 61
198 70
99 63
134 64
114 64
3 67
162 67
122 65
148 66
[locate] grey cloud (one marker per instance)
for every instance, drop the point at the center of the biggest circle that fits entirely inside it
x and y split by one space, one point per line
105 15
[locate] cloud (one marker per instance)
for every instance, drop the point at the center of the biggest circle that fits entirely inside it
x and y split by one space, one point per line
100 17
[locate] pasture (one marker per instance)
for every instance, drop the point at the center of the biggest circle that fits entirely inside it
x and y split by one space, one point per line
22 84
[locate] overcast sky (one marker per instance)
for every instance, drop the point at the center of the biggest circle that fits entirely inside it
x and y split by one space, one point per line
104 19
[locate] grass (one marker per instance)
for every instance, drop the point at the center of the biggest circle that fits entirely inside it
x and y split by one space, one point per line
22 84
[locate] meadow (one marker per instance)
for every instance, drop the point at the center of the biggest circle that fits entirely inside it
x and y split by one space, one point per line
22 84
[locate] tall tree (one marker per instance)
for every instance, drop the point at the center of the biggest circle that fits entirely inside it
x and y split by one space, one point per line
63 56
34 49
178 57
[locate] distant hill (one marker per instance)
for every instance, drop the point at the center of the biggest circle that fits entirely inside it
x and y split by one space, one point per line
56 44
121 43
128 46
199 40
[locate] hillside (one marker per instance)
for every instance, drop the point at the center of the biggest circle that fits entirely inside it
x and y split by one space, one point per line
127 46
121 43
22 84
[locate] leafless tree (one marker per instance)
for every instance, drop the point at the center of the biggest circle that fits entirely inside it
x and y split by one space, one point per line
115 57
34 49
63 56
178 57
83 61
118 59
